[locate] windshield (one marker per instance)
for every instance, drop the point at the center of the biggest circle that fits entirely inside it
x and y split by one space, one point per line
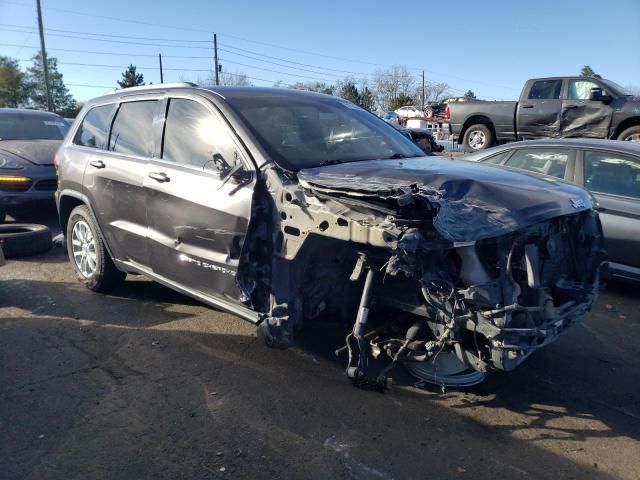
18 126
613 86
308 131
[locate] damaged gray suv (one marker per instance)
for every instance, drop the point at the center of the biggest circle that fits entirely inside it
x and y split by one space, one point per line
284 207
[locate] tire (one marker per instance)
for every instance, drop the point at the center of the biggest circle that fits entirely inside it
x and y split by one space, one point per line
631 134
429 112
94 267
24 239
478 137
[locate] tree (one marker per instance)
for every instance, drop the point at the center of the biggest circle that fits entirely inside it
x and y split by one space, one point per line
389 84
367 100
400 101
36 90
237 79
434 92
319 87
349 91
130 78
633 90
470 95
12 91
587 71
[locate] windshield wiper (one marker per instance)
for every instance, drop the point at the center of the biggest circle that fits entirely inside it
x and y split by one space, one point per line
396 156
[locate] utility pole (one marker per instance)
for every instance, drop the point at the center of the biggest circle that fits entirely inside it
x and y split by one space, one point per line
160 59
423 90
45 64
215 56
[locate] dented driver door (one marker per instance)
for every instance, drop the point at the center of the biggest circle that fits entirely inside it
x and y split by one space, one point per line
582 117
199 191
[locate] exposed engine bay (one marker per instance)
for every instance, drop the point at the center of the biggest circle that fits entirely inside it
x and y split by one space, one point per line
473 274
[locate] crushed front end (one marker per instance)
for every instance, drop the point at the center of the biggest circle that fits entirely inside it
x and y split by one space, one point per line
474 267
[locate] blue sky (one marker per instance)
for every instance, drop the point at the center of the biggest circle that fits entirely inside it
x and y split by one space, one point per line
490 47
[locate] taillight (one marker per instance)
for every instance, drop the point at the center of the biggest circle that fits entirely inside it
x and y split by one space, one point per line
447 113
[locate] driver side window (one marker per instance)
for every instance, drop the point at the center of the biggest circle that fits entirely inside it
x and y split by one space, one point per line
195 136
580 89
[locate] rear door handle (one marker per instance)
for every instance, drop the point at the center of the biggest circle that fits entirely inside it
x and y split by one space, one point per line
527 106
159 177
571 106
97 163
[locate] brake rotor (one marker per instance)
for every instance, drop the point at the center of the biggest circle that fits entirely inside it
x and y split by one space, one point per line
445 370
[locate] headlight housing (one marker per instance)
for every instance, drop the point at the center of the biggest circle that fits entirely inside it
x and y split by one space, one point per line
8 163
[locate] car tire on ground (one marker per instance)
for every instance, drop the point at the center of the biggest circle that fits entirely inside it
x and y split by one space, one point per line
24 239
88 255
631 134
478 137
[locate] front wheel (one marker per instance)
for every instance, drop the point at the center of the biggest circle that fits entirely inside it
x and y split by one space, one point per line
88 255
477 137
631 134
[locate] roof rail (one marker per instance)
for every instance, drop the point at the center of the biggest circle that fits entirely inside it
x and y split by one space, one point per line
154 86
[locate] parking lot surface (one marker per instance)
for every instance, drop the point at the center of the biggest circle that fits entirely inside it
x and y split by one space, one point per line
147 383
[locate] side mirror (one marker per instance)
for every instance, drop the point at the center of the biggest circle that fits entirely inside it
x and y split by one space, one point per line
598 95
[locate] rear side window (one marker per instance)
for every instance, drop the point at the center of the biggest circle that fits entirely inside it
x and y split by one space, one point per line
545 90
194 136
498 158
552 162
131 133
94 129
612 173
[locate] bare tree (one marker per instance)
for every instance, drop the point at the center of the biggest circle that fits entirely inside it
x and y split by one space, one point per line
392 83
633 90
434 92
236 79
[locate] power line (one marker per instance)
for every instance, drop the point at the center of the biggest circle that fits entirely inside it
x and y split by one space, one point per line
93 52
111 41
306 52
110 35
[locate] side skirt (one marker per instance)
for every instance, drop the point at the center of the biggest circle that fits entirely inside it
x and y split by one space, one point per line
239 310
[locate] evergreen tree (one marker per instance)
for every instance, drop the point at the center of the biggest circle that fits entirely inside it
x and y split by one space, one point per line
130 78
470 95
349 91
36 90
12 91
367 100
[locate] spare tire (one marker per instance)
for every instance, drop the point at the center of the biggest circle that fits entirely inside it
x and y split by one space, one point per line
24 239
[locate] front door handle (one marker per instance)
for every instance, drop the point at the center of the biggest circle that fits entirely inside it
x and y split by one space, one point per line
570 106
97 163
159 177
527 106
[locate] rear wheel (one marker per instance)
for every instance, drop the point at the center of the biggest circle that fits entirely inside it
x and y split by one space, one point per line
478 137
88 255
631 134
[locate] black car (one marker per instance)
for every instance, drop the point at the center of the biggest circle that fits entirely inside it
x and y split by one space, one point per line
28 142
610 170
285 206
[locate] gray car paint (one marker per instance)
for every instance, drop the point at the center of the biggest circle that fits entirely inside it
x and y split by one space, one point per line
620 216
245 246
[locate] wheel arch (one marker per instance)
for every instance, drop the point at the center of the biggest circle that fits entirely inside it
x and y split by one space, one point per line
474 120
626 123
70 199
